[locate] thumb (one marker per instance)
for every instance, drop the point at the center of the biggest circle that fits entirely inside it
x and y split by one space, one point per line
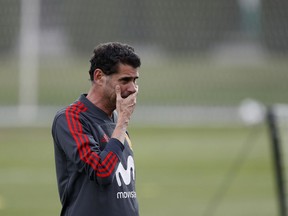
118 91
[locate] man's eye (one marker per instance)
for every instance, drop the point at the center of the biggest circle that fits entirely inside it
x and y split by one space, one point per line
125 80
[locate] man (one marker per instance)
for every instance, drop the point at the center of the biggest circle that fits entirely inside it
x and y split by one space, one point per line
93 153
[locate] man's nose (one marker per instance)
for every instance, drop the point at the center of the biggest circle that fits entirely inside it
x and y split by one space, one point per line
132 87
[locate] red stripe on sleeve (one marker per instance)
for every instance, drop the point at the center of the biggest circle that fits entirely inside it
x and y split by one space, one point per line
104 168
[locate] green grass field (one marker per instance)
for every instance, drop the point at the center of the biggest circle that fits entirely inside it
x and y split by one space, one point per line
179 170
168 82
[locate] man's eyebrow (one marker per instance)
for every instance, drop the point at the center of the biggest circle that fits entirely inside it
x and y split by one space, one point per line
129 77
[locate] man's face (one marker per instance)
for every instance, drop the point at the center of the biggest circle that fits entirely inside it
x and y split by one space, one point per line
125 78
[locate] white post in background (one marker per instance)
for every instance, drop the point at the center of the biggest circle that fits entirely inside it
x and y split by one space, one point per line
28 62
250 12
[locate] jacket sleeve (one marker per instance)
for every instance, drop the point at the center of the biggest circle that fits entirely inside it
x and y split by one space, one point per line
83 150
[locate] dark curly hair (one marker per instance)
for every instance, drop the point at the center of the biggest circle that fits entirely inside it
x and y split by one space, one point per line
107 57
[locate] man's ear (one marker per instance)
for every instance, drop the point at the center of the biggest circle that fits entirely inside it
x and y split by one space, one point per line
98 76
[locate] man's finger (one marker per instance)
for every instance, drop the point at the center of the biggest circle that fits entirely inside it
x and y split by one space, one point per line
118 91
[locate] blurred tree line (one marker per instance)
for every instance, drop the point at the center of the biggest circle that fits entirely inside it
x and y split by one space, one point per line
171 25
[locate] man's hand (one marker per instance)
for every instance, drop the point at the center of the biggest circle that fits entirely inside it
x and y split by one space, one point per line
124 108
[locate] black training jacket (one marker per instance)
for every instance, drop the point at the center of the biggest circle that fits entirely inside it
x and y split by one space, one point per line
95 173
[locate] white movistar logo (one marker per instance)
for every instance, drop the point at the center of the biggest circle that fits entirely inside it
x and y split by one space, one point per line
126 195
126 173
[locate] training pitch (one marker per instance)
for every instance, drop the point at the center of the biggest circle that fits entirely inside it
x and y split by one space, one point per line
219 171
